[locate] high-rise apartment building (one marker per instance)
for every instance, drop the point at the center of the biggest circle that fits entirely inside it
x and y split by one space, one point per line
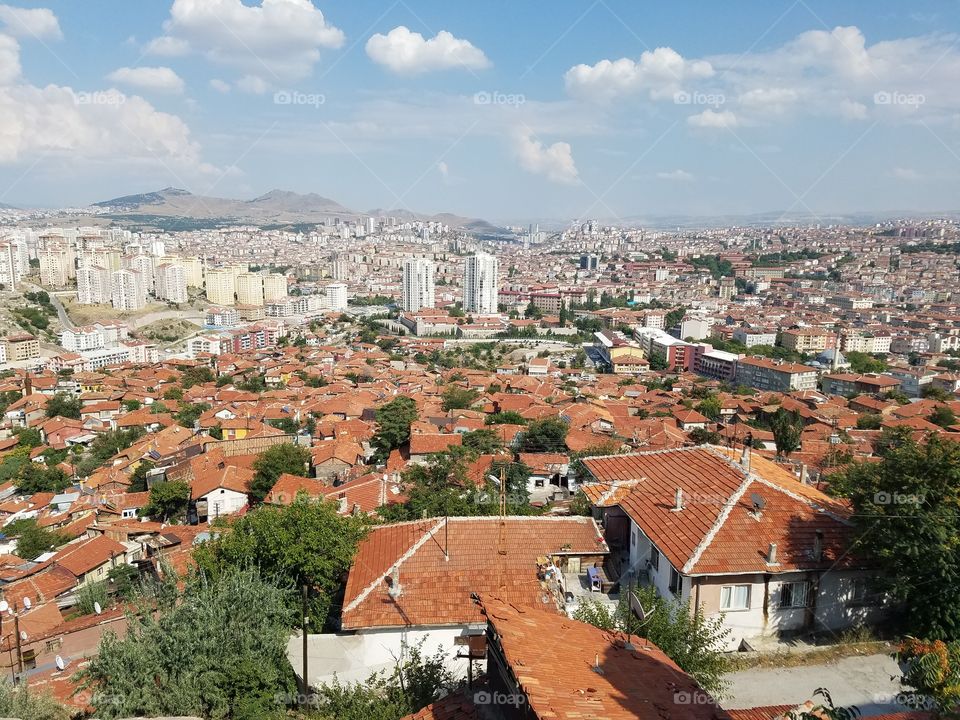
250 289
9 265
337 296
171 283
127 290
93 285
418 288
220 286
274 287
56 266
480 284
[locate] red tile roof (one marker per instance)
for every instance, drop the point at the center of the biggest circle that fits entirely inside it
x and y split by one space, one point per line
436 591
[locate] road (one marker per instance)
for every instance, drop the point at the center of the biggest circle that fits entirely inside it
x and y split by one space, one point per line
65 320
869 682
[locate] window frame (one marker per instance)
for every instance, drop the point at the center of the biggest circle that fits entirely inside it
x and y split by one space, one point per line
732 596
787 588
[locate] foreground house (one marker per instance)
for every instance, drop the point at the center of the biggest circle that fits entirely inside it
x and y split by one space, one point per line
737 535
413 581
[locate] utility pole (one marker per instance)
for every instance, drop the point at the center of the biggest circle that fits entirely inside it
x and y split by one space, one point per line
305 684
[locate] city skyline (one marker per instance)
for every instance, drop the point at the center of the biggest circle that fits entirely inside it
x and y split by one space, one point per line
610 110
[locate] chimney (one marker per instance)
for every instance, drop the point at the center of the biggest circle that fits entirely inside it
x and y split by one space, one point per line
342 504
803 474
383 490
772 554
677 500
818 546
395 590
27 384
745 455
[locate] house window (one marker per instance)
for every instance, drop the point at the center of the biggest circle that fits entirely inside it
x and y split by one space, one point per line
676 583
864 594
735 597
633 538
793 595
654 558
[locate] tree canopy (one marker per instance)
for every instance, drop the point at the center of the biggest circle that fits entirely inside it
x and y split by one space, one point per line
394 420
274 462
546 435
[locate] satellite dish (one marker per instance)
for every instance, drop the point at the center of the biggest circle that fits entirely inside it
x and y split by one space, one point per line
4 606
644 614
758 502
60 663
97 609
27 603
494 480
23 634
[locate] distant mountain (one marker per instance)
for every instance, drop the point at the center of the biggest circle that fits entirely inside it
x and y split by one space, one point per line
277 207
4 206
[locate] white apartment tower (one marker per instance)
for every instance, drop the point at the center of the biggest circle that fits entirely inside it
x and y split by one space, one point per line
250 289
128 290
274 287
9 265
93 285
480 284
337 296
56 266
220 286
418 289
171 283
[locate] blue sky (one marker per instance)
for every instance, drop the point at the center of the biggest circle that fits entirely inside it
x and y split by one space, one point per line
502 110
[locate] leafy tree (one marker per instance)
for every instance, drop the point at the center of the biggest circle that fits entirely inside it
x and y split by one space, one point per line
826 710
674 317
933 669
198 375
787 428
27 704
64 405
906 514
125 581
168 501
702 436
863 363
458 398
689 638
274 462
219 652
33 540
546 435
709 407
287 424
943 416
138 480
36 477
190 413
28 437
131 405
869 421
416 682
658 362
306 542
91 594
254 384
173 393
394 420
931 392
508 417
483 441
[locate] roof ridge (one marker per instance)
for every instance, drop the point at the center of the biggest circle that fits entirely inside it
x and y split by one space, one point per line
718 523
407 555
807 501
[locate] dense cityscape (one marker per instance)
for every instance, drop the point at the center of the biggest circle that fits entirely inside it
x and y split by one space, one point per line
277 458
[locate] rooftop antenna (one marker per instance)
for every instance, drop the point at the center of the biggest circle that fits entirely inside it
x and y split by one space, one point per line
502 484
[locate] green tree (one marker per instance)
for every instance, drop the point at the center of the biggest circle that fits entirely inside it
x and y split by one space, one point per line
198 375
274 462
27 704
869 421
219 652
168 501
943 416
933 669
37 477
905 512
689 638
306 542
33 540
702 436
709 407
124 581
546 435
483 441
138 480
394 420
131 405
64 405
190 413
658 362
863 363
458 398
508 417
90 595
787 428
28 437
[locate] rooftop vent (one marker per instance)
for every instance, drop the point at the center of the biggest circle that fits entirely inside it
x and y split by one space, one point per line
772 554
677 500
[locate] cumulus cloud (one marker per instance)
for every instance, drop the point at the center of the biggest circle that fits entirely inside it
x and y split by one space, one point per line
906 174
404 51
713 119
160 79
555 162
444 169
39 23
9 59
661 72
676 175
279 40
220 86
253 84
167 46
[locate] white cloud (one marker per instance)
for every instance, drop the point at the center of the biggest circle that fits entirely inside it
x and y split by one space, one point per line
770 100
220 86
852 110
279 40
443 169
555 162
167 46
253 84
38 22
713 119
9 59
662 72
403 51
677 175
160 79
906 174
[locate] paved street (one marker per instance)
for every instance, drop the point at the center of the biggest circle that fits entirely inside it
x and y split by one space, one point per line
866 682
